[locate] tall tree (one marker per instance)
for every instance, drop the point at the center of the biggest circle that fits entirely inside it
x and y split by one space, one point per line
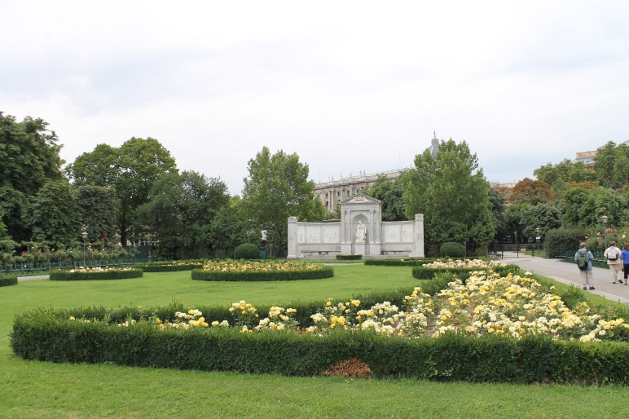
452 193
131 169
180 206
276 188
390 193
531 191
229 229
29 157
97 211
53 214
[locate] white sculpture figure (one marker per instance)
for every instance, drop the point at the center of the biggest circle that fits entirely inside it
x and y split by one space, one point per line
361 232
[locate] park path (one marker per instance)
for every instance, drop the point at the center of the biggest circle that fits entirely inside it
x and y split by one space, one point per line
568 273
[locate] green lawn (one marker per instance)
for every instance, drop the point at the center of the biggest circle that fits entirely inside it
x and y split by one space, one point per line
30 389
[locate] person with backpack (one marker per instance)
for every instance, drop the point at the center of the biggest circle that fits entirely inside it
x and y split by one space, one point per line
612 254
584 259
624 256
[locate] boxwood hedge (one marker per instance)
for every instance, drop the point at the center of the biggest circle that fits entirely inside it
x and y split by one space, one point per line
8 279
203 275
170 266
48 335
421 272
80 275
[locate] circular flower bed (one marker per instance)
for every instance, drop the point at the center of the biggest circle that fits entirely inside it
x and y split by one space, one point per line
82 273
240 270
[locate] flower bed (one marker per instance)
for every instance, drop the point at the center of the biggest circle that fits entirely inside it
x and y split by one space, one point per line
81 273
170 266
232 270
488 328
6 280
461 268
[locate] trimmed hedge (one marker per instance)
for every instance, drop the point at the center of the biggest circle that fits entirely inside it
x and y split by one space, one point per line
6 280
421 272
452 249
48 335
397 262
95 275
171 266
349 257
247 251
202 275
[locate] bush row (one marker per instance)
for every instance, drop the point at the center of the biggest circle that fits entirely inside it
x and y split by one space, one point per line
398 262
202 275
170 266
80 275
42 335
6 280
349 257
421 272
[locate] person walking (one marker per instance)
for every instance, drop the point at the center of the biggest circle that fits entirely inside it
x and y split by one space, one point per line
624 257
584 259
612 254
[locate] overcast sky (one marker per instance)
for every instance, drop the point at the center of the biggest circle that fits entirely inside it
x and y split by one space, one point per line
347 85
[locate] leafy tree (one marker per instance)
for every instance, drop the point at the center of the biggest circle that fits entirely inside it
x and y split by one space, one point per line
29 157
603 201
605 164
531 191
131 169
53 214
515 220
180 206
228 230
390 193
278 187
573 201
97 211
542 216
452 193
498 206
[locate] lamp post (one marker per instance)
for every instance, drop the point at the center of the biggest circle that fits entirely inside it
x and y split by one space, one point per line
538 239
84 235
605 219
517 254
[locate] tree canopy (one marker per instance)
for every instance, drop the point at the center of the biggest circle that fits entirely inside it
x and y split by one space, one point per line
452 193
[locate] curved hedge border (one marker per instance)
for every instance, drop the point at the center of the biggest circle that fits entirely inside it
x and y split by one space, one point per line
421 272
349 257
48 335
202 275
95 275
169 266
6 280
397 262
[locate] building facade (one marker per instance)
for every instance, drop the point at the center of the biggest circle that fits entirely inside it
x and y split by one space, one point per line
332 192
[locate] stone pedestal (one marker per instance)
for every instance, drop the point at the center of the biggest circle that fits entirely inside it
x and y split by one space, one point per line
359 248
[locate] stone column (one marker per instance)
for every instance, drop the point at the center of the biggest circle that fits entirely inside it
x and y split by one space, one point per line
418 234
292 238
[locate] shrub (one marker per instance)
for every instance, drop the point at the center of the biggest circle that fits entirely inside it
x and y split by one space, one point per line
247 251
397 262
349 257
452 249
262 271
558 242
8 279
170 266
80 274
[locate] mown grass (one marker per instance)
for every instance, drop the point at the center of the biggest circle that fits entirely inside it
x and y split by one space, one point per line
35 389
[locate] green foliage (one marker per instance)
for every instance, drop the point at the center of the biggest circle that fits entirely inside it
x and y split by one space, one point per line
29 157
349 257
8 279
229 229
452 249
276 188
397 262
97 211
247 251
573 200
170 266
82 275
53 214
562 240
452 193
532 192
390 194
131 169
603 201
51 335
180 206
254 276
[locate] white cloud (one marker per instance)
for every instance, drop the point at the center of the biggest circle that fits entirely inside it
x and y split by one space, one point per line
349 86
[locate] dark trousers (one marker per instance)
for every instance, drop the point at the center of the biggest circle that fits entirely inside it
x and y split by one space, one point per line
626 270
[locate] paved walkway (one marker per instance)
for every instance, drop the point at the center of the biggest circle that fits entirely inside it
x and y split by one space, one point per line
568 273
